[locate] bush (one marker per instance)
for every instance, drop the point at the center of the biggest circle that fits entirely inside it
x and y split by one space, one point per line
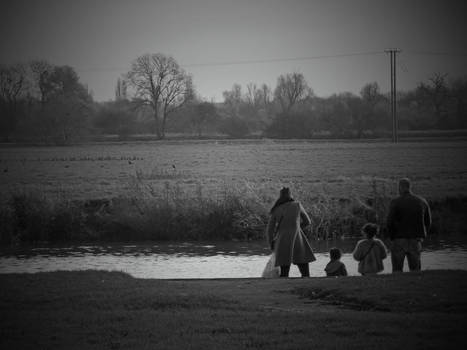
294 125
234 127
175 214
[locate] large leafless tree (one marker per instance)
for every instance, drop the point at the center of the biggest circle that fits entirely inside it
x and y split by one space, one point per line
290 90
159 82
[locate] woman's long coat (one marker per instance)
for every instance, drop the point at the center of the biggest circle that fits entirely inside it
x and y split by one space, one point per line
290 243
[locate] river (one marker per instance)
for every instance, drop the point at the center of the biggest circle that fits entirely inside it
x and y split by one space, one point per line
203 260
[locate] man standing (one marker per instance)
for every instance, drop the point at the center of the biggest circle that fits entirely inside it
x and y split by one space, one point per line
408 222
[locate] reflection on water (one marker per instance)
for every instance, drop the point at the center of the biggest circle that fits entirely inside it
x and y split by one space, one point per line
198 260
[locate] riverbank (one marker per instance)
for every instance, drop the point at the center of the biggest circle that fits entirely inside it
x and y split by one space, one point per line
214 190
112 310
175 214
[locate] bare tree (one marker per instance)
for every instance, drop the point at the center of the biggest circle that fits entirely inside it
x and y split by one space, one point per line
459 96
12 86
12 82
438 94
370 94
364 110
205 113
290 90
160 83
265 95
41 73
120 90
64 103
233 100
253 96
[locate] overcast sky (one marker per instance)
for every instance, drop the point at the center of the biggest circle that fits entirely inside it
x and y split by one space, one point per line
101 38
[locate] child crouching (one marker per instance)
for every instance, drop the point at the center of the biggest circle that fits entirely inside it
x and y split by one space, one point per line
335 267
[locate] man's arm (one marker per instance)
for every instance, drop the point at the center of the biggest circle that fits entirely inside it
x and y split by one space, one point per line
383 249
427 217
391 224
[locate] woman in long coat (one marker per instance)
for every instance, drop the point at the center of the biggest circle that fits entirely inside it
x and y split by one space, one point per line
286 237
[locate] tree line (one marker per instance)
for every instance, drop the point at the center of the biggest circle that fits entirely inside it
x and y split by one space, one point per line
42 102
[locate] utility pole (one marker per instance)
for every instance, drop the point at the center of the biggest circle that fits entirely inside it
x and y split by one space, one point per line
392 59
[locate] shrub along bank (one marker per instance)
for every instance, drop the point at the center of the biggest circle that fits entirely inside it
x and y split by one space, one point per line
173 214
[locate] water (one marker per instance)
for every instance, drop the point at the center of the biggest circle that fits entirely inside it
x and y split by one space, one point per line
203 260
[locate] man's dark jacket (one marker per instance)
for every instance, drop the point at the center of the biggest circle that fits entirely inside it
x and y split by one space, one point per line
409 217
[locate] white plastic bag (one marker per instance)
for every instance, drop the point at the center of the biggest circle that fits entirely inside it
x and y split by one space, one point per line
270 270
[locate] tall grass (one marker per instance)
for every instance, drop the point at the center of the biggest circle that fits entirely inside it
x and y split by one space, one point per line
175 213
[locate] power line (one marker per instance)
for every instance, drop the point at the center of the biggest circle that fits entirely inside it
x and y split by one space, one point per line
244 62
434 53
285 59
109 69
272 60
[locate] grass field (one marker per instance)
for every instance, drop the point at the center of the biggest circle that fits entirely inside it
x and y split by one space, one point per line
111 310
340 169
218 189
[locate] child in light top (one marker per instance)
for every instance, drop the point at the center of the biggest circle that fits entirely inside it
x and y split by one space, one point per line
335 267
370 252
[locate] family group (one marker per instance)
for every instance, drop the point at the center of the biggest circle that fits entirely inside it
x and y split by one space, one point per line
408 222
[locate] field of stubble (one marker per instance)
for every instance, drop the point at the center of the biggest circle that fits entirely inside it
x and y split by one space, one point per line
338 169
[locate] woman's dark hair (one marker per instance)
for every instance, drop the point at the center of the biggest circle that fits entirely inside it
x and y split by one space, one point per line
335 253
370 229
284 197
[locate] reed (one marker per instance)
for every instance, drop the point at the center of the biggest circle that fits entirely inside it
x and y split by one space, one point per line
175 213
